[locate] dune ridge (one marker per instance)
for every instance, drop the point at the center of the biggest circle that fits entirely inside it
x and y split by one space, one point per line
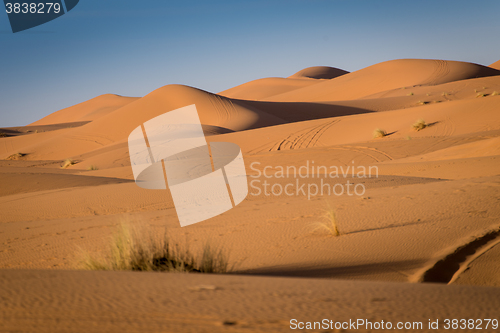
87 111
318 72
495 65
394 74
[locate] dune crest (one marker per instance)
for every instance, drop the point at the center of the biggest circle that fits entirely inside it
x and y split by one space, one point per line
495 65
87 111
217 113
389 75
266 87
318 72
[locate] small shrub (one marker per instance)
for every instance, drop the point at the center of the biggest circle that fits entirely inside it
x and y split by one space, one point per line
379 133
68 162
136 250
3 135
330 225
92 167
419 125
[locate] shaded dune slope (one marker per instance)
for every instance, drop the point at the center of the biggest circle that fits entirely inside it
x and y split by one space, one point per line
318 72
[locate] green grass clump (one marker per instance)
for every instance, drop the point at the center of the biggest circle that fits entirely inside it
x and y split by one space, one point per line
67 163
379 133
419 125
330 224
135 250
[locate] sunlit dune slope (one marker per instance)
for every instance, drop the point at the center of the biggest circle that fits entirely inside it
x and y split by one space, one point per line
88 110
262 88
216 112
495 65
267 87
395 74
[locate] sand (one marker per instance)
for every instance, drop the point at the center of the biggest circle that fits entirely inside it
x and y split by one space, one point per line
495 65
420 242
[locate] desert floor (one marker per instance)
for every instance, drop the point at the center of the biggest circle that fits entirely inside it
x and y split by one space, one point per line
420 242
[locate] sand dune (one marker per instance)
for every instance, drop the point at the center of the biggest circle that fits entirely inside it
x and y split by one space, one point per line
88 110
262 88
435 197
318 72
449 119
215 111
267 87
495 65
385 76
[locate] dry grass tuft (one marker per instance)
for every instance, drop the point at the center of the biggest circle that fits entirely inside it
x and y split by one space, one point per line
15 156
410 94
379 133
92 168
495 93
67 163
330 225
138 250
480 95
419 125
422 102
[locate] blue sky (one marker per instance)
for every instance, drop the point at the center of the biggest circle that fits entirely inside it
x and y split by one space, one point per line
131 48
